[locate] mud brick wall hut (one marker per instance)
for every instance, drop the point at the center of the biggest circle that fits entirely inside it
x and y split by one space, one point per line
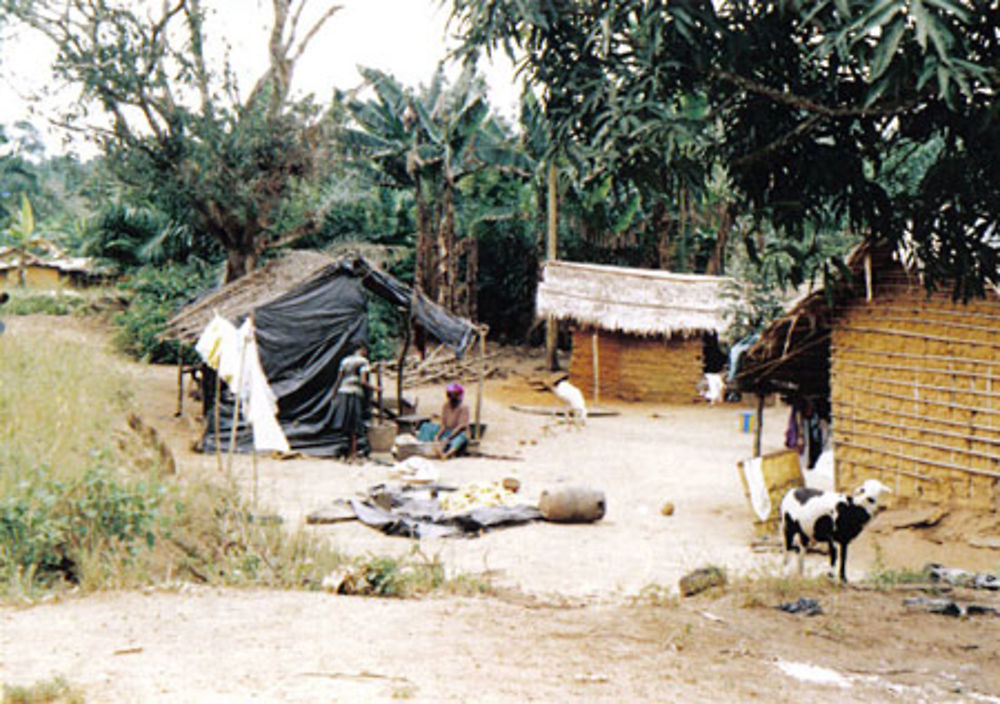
646 329
50 274
913 381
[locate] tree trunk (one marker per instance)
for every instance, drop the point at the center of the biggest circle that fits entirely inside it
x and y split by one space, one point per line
423 276
446 248
717 264
239 263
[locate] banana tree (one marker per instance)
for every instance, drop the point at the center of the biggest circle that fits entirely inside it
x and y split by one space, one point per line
430 142
21 239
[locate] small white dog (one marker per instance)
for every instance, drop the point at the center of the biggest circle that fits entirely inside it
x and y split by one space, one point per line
573 398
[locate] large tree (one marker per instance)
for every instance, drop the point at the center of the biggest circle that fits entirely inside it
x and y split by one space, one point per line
180 133
813 107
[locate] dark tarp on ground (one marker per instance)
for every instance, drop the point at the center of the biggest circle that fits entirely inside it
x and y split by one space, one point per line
303 335
415 515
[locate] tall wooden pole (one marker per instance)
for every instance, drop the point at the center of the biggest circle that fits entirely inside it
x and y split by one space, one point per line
477 432
551 252
759 430
400 366
180 380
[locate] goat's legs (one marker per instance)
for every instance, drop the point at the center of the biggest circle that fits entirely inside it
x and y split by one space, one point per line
843 563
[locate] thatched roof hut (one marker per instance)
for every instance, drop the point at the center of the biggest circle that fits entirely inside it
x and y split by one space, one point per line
309 311
912 380
51 272
638 334
644 302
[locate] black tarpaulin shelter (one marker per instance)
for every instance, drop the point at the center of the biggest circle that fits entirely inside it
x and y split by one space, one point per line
309 310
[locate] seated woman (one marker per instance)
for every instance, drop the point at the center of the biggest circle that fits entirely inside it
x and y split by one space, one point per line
454 424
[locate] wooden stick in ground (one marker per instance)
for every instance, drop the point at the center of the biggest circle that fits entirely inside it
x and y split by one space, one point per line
482 376
760 425
399 368
180 380
235 388
378 393
232 433
253 496
218 438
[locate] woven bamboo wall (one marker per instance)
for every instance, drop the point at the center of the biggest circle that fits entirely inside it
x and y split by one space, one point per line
631 368
915 387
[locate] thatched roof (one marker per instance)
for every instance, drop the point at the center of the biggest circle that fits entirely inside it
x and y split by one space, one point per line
636 301
238 298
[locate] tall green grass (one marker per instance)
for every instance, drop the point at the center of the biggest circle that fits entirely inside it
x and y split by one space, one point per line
59 403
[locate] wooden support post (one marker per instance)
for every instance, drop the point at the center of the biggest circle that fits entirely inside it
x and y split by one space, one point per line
760 425
399 368
253 496
551 253
218 433
232 433
180 380
378 393
235 388
482 381
597 365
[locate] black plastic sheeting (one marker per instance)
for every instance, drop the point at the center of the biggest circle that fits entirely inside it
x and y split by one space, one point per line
303 335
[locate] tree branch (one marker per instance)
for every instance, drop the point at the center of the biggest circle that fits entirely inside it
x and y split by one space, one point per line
330 12
803 103
778 143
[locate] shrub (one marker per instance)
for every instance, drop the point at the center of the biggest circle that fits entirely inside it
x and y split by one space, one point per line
50 528
156 294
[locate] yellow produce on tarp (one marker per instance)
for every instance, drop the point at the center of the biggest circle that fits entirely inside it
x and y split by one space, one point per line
477 495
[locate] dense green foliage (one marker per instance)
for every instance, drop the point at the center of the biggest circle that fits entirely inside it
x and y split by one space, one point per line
810 106
182 135
48 527
157 292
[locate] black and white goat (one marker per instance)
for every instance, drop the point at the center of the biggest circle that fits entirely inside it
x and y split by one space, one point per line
828 517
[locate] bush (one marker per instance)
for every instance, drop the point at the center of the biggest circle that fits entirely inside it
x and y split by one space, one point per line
50 528
156 295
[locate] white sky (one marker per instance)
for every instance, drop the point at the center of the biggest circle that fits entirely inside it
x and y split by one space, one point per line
404 37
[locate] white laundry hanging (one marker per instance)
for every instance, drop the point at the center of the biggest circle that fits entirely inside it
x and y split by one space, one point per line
759 498
260 405
233 354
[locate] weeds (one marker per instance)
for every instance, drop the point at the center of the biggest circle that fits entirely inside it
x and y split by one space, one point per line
54 691
656 595
884 577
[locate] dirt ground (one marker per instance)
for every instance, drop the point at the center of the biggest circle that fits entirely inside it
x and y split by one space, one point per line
571 619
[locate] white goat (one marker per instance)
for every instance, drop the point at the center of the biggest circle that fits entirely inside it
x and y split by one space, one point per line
573 398
828 516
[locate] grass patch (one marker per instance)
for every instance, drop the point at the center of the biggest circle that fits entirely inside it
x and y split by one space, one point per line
656 595
29 301
884 577
54 691
768 590
88 503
